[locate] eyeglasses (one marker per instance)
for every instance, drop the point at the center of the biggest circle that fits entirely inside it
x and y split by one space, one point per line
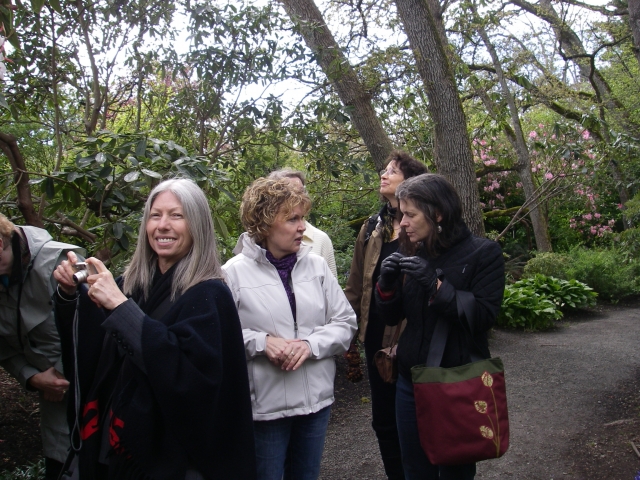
388 172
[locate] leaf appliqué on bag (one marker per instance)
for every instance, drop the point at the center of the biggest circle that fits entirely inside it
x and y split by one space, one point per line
491 433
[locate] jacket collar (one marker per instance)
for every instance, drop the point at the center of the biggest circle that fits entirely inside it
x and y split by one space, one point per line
250 249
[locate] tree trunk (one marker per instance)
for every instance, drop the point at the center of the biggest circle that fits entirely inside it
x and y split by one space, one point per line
452 149
93 97
516 137
634 23
306 16
9 146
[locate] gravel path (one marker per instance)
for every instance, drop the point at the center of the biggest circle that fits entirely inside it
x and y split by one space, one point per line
559 386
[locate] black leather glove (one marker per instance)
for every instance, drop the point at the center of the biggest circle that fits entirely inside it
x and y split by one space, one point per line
389 271
419 268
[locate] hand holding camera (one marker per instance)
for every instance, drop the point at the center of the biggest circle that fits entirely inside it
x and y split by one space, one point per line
103 289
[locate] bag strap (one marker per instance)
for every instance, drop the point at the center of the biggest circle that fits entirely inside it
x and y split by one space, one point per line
465 301
371 225
396 334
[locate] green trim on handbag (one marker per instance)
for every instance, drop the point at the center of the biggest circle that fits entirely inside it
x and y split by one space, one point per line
424 374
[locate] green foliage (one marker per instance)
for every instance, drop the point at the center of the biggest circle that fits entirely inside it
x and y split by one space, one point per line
34 471
565 294
606 271
547 263
611 272
536 302
524 307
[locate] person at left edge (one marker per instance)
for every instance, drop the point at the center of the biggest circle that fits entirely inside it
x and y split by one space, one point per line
29 341
166 396
295 318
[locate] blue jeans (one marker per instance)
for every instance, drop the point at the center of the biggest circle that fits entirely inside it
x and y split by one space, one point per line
291 446
415 461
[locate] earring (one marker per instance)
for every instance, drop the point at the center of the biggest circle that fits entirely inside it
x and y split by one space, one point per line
439 229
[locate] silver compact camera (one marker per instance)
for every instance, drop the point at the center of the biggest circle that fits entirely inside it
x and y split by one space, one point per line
83 270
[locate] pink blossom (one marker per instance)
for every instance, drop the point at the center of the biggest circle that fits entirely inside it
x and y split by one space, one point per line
548 176
499 197
534 169
593 230
585 134
553 137
533 134
519 184
620 206
611 223
597 215
587 216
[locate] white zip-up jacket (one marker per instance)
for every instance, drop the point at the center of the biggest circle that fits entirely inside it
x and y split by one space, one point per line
325 320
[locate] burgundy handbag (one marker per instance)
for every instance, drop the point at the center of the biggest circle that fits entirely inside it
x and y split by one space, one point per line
461 411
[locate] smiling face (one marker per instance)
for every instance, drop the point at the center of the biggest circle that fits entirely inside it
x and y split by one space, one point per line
285 235
414 222
390 178
167 230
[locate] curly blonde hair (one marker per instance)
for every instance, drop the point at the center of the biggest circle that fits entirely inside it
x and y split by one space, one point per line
264 200
6 229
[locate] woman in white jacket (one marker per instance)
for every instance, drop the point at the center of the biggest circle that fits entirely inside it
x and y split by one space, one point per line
295 318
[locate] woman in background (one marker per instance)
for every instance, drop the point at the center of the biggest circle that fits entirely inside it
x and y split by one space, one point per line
377 240
443 259
157 361
295 318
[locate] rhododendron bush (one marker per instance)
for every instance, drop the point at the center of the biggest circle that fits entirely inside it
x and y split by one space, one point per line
582 207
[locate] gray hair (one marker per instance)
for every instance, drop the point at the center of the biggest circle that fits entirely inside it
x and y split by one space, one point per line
287 173
200 264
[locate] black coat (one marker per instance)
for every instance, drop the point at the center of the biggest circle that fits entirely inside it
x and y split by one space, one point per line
472 264
180 397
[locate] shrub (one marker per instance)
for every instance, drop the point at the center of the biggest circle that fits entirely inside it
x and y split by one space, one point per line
547 263
611 272
524 307
565 294
34 471
606 271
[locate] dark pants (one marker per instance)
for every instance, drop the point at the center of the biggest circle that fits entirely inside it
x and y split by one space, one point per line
52 469
383 405
415 461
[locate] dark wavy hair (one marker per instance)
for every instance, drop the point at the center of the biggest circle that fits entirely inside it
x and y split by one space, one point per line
409 166
433 195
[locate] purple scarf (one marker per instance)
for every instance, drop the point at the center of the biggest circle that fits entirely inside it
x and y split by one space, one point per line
284 267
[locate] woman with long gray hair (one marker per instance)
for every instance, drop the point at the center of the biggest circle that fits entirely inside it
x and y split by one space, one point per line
156 358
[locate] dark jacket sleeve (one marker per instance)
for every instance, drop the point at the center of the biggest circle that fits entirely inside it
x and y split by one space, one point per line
486 285
392 309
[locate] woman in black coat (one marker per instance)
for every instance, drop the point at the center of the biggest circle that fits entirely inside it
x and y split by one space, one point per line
440 258
157 359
